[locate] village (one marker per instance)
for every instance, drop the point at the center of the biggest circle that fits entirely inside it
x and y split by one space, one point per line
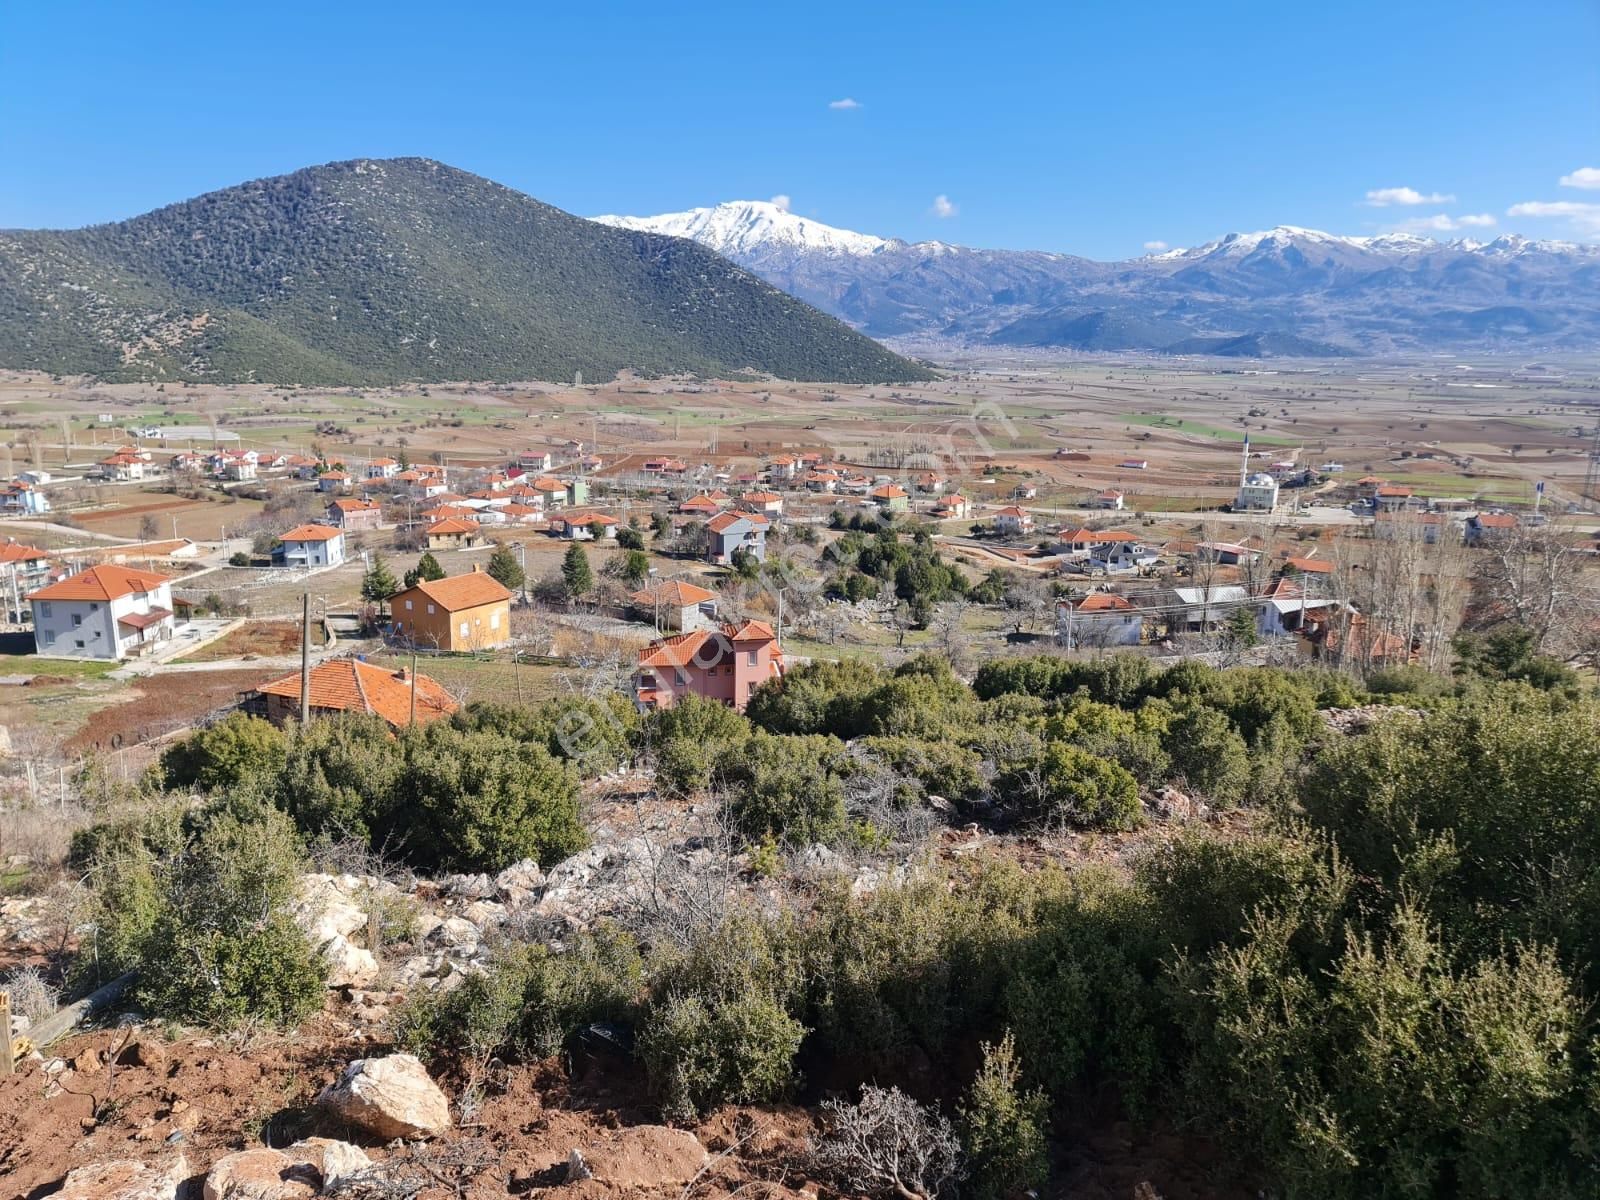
712 572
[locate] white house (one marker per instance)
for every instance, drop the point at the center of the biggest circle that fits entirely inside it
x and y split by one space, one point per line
23 497
382 468
1109 499
1012 521
313 546
120 467
1098 620
107 613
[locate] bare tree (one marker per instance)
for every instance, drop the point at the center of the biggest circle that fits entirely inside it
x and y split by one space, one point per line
889 1145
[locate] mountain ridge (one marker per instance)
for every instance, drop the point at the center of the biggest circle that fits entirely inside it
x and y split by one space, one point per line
1350 294
377 271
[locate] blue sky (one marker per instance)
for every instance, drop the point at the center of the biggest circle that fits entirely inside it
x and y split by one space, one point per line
1092 128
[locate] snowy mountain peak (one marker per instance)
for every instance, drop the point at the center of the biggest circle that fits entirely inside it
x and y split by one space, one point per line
740 228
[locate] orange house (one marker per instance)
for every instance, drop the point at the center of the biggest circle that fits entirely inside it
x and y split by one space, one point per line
461 613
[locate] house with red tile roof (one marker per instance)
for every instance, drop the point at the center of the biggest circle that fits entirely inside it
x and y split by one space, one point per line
702 505
1098 620
350 514
676 605
459 613
1012 521
107 612
953 506
768 504
732 531
726 663
313 546
452 533
581 526
1486 527
345 685
890 497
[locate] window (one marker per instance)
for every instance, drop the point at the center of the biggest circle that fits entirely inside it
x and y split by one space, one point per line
408 606
44 609
77 620
78 642
753 654
494 619
682 678
430 610
463 629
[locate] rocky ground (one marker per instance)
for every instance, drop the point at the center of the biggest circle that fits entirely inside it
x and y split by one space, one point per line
139 1111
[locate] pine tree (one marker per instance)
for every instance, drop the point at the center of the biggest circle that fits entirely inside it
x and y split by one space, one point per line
575 573
378 584
427 568
504 568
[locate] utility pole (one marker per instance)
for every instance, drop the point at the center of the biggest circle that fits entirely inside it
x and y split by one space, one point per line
305 659
412 721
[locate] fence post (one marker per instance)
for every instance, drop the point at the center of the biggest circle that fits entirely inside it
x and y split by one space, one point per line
8 1060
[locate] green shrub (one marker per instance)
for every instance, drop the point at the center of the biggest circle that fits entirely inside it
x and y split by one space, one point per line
785 787
528 1001
480 802
702 1052
1208 754
1066 784
688 739
236 749
718 1025
1003 1128
223 947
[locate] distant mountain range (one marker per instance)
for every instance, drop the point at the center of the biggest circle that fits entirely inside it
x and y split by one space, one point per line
1284 291
383 271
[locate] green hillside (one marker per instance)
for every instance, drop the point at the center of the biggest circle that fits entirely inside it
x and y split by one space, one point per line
379 271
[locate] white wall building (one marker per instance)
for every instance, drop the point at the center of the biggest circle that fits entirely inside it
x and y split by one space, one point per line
313 546
107 613
1258 491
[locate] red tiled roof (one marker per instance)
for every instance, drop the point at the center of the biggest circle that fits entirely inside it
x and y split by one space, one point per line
675 594
346 685
451 525
348 505
310 533
1497 520
725 520
1103 602
16 552
462 591
145 619
1311 566
106 582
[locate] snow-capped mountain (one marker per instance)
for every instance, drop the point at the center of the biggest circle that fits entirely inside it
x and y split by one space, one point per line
753 227
1286 286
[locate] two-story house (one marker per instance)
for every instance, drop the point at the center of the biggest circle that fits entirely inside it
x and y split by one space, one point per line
731 531
22 569
1012 521
352 515
106 612
725 664
460 613
676 605
313 546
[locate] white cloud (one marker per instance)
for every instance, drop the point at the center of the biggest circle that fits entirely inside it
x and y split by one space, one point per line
781 202
844 105
1581 216
1404 197
1442 223
943 206
1587 178
1155 247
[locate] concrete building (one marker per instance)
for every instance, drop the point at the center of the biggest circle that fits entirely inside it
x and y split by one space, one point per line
460 613
452 533
730 531
1258 491
21 496
676 605
313 546
107 613
22 569
1098 620
1013 521
891 497
725 664
352 515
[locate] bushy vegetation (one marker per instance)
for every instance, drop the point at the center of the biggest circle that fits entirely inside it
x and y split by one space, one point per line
441 797
197 904
1382 983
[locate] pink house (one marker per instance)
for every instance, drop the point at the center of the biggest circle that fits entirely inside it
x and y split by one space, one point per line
725 663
